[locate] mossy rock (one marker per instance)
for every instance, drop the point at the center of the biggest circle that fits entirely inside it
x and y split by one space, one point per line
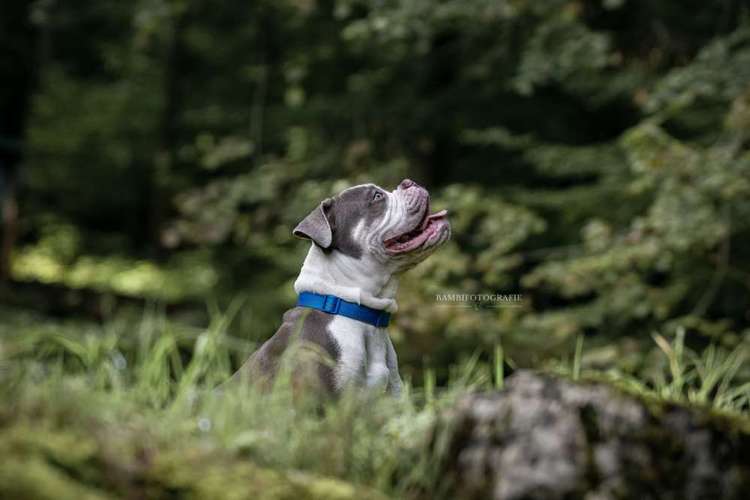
550 438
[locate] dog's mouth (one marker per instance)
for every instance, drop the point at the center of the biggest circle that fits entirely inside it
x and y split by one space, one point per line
426 228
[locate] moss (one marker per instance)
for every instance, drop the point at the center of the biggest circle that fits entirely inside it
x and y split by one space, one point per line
67 449
44 463
34 478
206 476
725 420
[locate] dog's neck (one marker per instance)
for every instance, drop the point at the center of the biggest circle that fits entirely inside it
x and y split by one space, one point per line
356 280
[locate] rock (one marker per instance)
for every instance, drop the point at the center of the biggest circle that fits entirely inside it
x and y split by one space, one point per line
549 438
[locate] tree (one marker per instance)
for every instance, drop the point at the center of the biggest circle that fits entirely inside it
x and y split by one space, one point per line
17 57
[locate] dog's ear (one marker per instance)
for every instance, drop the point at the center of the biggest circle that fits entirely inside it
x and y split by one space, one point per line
316 226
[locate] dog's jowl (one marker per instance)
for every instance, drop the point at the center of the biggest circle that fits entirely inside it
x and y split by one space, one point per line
361 241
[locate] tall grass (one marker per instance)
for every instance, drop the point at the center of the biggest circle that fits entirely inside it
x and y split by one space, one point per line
705 378
161 378
711 378
144 392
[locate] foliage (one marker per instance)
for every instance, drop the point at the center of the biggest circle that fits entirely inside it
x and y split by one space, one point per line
92 411
593 154
711 378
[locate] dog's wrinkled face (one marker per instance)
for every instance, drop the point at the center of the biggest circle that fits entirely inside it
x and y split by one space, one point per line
393 228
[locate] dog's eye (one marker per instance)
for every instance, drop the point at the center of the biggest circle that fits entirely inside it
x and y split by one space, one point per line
377 196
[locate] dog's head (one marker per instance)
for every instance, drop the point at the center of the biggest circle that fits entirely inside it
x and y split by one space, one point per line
394 229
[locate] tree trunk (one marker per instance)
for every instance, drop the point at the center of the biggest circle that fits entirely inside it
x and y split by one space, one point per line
18 67
10 231
168 129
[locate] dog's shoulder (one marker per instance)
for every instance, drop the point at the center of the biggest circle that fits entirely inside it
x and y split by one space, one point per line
298 324
309 325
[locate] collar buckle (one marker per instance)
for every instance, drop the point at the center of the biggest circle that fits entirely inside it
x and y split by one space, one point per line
331 304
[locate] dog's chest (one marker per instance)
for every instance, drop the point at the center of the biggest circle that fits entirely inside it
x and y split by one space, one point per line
363 352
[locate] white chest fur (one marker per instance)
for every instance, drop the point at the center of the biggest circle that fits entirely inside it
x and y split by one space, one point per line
366 355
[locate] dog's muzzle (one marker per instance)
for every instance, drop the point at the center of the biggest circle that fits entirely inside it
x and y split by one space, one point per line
424 229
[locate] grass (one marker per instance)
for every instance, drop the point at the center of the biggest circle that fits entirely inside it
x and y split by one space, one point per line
140 400
706 378
129 409
710 378
56 259
498 360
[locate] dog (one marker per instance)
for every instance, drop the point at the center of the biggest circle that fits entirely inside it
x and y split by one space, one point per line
362 240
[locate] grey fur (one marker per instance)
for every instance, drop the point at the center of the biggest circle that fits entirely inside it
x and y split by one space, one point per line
331 224
312 327
316 226
347 210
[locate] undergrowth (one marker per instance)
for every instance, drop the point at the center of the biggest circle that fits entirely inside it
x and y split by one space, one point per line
131 409
712 377
144 398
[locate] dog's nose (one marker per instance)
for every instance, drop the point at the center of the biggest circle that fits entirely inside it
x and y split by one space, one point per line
407 183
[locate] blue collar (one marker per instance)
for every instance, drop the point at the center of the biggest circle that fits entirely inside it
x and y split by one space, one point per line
335 305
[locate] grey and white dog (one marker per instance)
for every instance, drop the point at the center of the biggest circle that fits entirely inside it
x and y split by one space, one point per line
362 240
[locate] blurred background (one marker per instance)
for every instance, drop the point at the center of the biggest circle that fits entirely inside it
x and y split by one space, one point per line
594 156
